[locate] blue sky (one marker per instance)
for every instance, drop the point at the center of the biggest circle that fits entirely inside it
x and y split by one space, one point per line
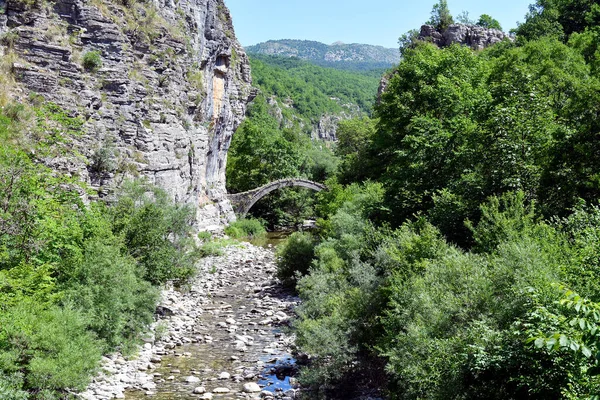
378 22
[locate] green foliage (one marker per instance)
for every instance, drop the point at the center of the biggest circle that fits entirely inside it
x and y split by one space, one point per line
486 169
488 22
205 236
263 151
196 79
48 348
294 257
103 159
463 18
456 127
108 289
246 228
70 288
440 16
215 247
313 90
354 141
156 231
92 61
447 323
559 18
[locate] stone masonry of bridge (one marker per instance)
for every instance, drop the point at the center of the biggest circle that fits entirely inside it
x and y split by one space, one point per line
243 202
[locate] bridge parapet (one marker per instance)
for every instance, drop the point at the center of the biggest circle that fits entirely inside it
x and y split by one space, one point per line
243 202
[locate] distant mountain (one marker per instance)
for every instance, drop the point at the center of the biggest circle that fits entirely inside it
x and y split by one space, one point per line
357 57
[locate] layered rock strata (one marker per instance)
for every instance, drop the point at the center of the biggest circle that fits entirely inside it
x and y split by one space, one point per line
161 86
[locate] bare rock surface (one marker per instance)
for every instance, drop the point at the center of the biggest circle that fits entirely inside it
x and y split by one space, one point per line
476 37
224 338
170 89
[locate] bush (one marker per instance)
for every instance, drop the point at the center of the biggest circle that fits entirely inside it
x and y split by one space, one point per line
205 236
92 61
294 257
51 345
210 249
157 232
249 228
108 290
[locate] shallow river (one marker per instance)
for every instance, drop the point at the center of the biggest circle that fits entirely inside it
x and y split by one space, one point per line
238 342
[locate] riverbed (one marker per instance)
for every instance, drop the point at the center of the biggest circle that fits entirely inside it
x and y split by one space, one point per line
223 337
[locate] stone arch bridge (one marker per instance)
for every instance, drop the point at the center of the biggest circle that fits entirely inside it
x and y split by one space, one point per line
243 202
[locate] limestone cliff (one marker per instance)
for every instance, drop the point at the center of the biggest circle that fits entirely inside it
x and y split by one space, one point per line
476 37
162 100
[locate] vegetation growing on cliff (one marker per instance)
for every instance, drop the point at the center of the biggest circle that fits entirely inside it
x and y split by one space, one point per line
76 280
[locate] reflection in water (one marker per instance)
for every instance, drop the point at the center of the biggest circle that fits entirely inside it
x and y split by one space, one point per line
276 375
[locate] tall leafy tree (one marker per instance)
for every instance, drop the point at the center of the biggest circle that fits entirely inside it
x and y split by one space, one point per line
441 17
487 21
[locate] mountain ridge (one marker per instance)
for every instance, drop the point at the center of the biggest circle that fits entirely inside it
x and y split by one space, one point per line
354 56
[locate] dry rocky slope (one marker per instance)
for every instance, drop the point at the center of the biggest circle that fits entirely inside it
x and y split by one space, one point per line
171 89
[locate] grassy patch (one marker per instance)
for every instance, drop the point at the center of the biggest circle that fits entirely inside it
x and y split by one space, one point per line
246 228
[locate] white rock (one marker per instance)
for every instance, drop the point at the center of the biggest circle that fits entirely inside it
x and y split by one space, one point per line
192 379
224 375
251 387
221 390
200 390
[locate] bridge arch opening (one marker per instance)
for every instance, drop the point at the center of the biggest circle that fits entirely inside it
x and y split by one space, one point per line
243 202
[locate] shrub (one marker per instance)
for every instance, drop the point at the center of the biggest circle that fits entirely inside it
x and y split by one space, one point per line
92 61
157 232
205 236
294 257
250 228
107 289
51 345
215 248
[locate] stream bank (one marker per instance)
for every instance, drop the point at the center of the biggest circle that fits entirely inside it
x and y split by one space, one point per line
223 338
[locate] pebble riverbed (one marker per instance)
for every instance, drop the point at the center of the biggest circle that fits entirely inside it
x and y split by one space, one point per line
222 338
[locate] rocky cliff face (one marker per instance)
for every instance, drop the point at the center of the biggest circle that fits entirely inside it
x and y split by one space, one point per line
476 37
326 128
162 100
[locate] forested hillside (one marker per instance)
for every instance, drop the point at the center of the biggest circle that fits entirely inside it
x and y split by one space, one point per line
297 101
458 250
352 57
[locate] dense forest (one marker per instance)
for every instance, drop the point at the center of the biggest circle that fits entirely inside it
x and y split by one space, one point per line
274 140
458 250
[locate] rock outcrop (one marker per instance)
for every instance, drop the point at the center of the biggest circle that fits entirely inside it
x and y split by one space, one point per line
474 36
162 100
326 128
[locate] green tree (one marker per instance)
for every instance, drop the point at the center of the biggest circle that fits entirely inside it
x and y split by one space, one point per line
440 16
354 141
488 22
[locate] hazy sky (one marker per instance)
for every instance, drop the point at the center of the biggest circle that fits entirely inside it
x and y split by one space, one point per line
378 22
